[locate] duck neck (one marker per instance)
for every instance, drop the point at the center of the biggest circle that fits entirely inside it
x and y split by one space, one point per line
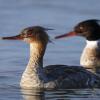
35 63
36 57
91 55
34 75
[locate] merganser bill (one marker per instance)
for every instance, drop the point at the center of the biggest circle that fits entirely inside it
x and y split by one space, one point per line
90 30
52 76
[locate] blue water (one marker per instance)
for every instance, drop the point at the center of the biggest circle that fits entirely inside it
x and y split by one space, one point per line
62 15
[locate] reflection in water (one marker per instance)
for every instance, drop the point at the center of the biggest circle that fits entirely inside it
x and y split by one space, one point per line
62 94
13 92
33 94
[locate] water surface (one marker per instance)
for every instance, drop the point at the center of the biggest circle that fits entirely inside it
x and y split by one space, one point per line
61 15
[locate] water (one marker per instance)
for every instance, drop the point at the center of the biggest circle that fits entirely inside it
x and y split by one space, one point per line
61 15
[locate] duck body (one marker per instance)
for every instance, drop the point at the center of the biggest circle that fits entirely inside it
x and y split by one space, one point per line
60 77
72 77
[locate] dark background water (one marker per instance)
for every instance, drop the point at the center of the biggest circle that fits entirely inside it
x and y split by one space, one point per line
62 15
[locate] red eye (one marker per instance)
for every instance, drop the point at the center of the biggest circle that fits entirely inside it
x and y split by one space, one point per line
29 34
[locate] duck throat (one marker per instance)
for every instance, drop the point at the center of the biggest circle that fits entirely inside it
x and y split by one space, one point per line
36 56
34 75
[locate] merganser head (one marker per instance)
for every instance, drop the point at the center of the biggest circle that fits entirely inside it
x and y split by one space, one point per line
90 29
31 34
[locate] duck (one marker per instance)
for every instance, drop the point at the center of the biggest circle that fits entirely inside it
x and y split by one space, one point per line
56 76
90 30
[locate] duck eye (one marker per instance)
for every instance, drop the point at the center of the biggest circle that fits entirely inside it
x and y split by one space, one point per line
29 34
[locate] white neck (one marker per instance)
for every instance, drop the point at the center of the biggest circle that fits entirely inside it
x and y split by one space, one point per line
92 44
91 54
33 75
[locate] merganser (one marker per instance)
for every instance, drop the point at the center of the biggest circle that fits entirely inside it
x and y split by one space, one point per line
52 76
90 30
